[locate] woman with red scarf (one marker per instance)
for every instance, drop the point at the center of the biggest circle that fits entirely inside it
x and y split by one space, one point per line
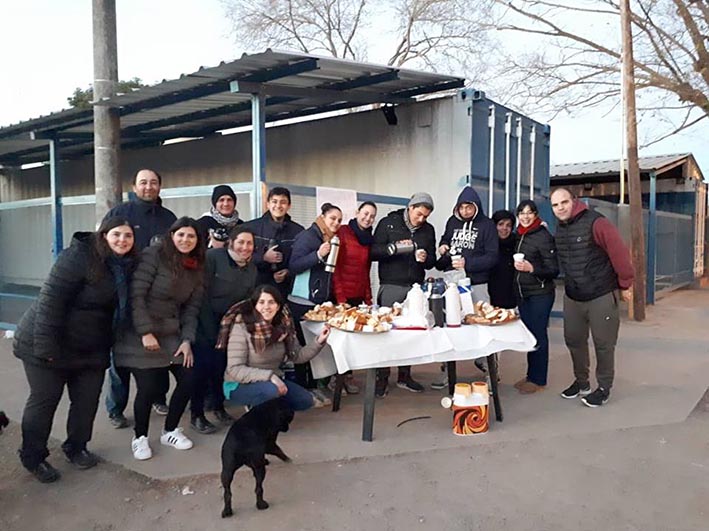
534 283
350 281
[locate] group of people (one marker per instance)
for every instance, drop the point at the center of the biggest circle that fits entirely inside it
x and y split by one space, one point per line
217 302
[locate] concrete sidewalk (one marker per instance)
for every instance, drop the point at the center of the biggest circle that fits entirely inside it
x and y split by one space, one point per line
662 371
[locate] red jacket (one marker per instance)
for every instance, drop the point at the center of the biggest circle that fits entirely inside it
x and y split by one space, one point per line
351 277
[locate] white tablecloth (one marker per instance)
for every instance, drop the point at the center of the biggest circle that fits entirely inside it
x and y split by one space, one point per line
415 347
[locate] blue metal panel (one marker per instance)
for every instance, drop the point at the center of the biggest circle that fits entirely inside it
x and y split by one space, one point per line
258 152
652 240
56 198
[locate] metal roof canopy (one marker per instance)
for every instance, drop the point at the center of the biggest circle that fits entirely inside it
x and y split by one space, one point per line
290 84
611 168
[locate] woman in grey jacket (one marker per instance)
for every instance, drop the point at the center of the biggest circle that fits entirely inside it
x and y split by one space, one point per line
166 294
259 335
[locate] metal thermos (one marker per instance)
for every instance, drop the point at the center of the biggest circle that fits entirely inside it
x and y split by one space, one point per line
332 257
436 302
272 244
401 248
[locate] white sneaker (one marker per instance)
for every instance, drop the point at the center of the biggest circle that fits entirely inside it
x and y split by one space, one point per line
141 448
176 439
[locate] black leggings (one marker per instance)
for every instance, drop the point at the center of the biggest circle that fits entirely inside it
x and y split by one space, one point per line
150 383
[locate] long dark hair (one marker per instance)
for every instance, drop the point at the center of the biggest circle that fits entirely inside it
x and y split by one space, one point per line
250 315
172 256
100 251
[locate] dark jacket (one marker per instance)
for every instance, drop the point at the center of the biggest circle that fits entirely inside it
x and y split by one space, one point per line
304 260
475 239
70 324
268 231
540 250
147 218
164 306
351 277
225 284
402 269
592 255
500 285
207 223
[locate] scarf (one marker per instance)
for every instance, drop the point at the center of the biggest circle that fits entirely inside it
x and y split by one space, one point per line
524 230
234 259
327 234
120 267
264 333
189 262
364 236
407 221
225 221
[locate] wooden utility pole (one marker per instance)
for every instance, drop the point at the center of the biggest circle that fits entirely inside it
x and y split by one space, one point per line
637 239
107 125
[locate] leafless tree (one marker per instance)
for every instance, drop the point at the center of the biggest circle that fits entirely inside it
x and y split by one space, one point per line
442 35
577 59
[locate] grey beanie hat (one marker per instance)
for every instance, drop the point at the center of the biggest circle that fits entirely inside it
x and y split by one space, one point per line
422 198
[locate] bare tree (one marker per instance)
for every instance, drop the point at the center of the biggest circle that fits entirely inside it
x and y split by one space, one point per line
438 34
577 59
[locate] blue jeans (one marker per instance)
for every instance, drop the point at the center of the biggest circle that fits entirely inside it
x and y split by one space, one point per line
535 311
119 387
253 394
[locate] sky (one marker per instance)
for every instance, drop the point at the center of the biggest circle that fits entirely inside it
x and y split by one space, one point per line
47 52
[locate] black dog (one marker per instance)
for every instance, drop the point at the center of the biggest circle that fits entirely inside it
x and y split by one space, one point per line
3 421
248 441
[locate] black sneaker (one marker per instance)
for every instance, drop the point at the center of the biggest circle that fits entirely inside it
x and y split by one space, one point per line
410 384
201 425
45 472
222 416
82 459
596 399
575 390
381 388
118 421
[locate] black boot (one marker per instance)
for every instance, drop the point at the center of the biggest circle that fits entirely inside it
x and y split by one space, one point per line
45 472
222 416
201 425
82 459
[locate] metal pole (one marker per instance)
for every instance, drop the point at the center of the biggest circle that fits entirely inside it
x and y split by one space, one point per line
623 111
652 240
258 152
508 158
520 134
491 160
635 195
107 125
55 186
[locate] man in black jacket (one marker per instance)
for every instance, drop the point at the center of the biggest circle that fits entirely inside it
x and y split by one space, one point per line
399 270
149 218
274 233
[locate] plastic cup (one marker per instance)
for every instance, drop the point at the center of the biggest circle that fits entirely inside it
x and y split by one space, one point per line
518 257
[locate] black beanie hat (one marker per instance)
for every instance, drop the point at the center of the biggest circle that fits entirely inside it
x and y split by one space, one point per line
220 190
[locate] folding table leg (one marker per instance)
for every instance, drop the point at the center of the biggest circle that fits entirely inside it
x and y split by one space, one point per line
492 372
452 376
337 393
369 398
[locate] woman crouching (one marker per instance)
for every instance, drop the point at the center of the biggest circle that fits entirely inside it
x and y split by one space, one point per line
259 335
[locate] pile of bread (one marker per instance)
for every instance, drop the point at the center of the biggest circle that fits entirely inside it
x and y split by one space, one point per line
323 312
487 314
363 319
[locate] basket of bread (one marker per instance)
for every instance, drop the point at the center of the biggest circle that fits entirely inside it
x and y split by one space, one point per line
487 314
321 313
363 319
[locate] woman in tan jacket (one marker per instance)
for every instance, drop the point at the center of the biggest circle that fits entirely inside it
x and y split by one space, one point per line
259 335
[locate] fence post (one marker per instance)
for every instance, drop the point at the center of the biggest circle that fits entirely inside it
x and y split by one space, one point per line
652 239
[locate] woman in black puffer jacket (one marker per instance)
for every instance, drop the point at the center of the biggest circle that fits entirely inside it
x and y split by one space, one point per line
534 282
65 339
166 294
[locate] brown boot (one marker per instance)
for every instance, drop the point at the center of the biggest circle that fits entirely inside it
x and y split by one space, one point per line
520 383
527 388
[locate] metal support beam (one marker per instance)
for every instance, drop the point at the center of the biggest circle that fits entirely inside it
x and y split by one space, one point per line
258 152
652 240
319 94
55 185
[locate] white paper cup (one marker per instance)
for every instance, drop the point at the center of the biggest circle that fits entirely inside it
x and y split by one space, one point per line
518 257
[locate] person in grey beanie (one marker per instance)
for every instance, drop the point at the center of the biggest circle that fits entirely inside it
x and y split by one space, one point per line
405 247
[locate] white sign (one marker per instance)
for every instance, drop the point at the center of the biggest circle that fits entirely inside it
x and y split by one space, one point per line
345 199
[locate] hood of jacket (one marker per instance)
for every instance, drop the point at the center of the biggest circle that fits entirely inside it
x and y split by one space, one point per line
468 195
576 209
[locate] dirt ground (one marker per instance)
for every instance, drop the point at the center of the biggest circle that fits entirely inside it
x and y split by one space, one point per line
651 478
